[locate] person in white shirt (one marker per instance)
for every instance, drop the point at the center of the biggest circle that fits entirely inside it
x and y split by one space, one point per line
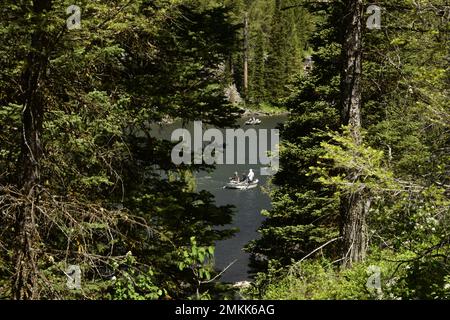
250 176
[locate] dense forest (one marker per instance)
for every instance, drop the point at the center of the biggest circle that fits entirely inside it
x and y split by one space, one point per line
360 205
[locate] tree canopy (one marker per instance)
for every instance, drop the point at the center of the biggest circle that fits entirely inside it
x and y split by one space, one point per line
363 188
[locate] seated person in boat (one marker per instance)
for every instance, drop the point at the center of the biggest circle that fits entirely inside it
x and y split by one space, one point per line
235 177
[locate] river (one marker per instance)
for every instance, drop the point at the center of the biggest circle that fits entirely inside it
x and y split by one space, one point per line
248 203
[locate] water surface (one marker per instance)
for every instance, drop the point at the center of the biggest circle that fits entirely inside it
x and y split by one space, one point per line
248 203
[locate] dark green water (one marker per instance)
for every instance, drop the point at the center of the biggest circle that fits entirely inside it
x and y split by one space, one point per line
248 203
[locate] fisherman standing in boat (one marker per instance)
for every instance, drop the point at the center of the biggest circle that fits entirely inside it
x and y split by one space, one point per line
250 176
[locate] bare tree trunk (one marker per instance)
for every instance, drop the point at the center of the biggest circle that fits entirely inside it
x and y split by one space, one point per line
246 55
355 206
24 284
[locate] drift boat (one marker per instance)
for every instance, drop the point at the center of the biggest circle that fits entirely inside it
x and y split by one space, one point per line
253 122
242 185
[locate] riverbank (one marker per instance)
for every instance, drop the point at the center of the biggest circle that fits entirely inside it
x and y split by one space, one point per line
263 109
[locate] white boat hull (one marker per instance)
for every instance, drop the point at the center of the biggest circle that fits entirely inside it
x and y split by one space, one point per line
242 185
250 122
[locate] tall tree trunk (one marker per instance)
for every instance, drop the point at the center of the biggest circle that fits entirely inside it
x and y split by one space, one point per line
246 35
355 206
25 280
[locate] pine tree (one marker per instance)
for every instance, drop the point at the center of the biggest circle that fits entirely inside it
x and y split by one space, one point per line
86 181
395 141
305 212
